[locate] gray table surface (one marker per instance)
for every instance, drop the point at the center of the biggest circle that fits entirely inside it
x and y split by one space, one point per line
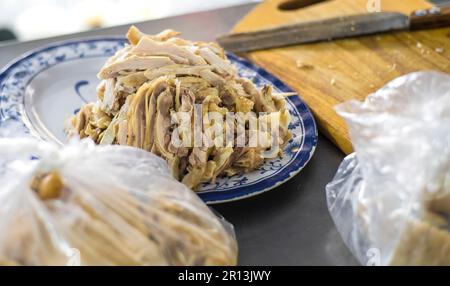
289 225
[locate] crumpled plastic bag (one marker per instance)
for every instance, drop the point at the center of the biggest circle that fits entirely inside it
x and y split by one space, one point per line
390 200
102 205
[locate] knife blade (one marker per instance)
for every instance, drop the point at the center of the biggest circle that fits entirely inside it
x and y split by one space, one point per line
334 28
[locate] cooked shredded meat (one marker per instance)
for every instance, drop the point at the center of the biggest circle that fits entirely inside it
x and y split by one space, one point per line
146 83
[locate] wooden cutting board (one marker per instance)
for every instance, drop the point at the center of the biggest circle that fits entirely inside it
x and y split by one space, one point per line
345 69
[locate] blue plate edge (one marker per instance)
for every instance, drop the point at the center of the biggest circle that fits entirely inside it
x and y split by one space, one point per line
311 132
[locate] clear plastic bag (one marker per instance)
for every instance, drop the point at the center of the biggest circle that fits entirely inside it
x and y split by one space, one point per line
390 200
116 205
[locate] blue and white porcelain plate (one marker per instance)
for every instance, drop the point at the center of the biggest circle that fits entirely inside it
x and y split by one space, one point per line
41 89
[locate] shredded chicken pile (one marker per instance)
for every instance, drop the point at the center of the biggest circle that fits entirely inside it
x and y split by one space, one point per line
154 76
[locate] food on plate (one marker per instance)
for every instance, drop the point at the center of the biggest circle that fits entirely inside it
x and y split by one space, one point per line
151 81
54 211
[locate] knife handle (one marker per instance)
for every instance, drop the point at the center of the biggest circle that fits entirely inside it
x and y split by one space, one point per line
432 18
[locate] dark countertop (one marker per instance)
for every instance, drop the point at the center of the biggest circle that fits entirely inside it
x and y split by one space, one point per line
289 225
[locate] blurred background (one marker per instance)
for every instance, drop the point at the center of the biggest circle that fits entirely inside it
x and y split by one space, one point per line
25 20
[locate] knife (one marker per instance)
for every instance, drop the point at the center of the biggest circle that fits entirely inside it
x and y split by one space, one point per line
335 28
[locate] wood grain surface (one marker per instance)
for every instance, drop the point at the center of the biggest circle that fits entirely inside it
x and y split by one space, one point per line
326 74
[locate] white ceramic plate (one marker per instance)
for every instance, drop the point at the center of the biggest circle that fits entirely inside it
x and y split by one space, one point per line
39 90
